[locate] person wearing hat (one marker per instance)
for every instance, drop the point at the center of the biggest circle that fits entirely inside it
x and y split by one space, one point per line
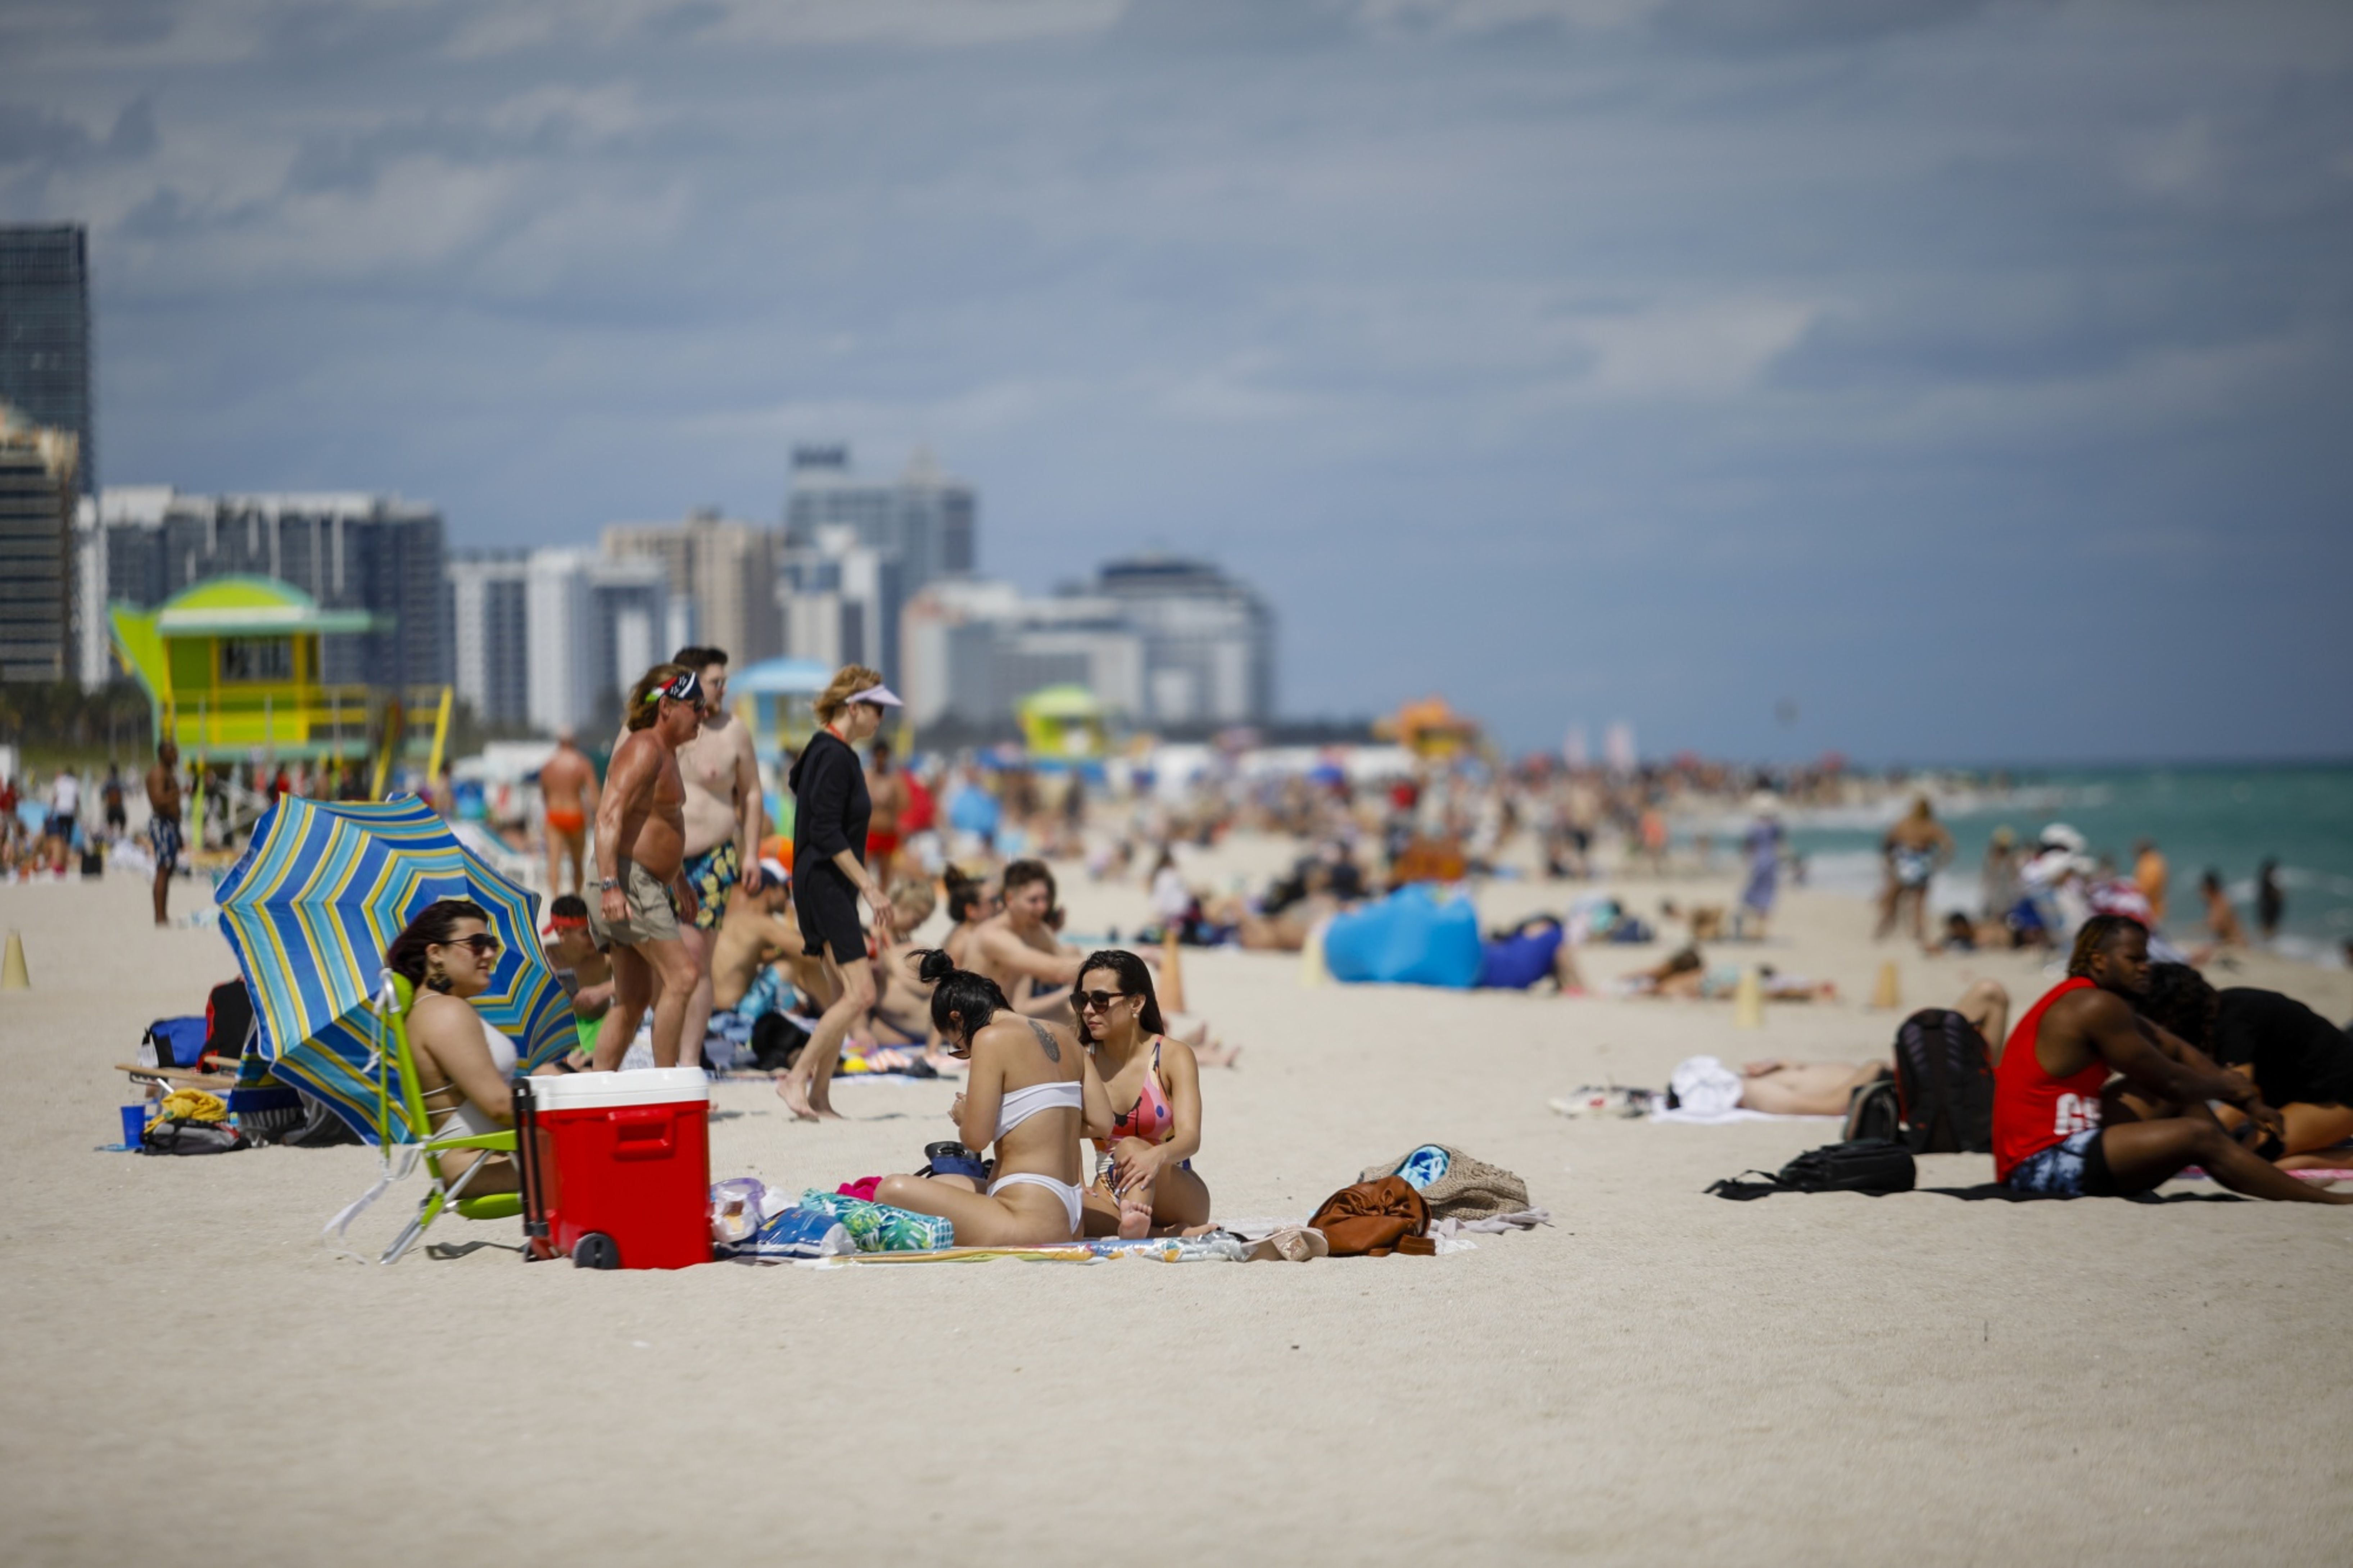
832 814
640 850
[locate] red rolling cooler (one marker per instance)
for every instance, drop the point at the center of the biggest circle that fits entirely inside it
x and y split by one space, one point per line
616 1172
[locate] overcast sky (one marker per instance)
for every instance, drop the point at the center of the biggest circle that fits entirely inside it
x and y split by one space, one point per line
1976 379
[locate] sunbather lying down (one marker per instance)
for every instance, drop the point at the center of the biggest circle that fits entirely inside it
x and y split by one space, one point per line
1822 1088
1685 974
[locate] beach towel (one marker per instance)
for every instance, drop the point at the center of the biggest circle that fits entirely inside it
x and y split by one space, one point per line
1722 1118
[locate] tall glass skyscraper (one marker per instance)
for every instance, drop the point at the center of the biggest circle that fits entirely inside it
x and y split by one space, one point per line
45 333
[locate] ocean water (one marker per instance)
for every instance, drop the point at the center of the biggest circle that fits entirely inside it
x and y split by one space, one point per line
2229 819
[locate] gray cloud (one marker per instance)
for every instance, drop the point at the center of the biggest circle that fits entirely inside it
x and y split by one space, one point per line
1602 355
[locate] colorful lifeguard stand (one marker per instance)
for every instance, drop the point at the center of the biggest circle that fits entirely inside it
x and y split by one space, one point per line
231 667
1064 726
1431 729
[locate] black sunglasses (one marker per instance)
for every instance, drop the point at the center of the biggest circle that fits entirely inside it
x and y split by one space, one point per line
1098 1001
483 944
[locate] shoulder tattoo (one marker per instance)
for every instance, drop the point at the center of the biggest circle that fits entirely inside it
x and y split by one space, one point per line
1046 1039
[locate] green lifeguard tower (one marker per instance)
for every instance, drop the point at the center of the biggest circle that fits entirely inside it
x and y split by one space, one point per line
1065 726
232 666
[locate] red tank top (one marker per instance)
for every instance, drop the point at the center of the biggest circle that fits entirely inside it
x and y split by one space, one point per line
2032 1109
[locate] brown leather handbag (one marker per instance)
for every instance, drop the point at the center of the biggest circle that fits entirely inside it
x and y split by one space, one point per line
1372 1219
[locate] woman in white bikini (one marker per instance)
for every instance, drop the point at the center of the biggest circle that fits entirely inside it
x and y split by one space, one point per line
1144 1179
1024 1091
465 1069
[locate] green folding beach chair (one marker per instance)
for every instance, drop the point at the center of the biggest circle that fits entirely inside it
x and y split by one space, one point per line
403 1132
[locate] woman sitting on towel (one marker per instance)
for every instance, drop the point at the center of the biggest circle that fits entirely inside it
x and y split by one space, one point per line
465 1069
1024 1091
1143 1154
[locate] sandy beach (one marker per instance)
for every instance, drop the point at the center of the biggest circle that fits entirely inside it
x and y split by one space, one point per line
1659 1377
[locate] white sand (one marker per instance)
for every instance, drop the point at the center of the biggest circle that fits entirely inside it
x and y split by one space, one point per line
1663 1378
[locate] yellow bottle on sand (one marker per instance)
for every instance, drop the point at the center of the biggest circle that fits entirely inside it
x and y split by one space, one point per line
1748 1001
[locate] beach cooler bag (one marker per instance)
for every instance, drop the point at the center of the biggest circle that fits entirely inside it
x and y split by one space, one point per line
619 1174
172 1043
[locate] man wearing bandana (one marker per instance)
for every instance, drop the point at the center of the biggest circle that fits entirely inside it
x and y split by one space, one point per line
641 892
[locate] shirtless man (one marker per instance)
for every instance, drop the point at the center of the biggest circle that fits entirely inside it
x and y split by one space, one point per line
640 848
888 791
759 931
1017 948
724 819
163 823
567 788
2063 1129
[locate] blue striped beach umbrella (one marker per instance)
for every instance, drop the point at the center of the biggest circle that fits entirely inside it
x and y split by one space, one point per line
311 908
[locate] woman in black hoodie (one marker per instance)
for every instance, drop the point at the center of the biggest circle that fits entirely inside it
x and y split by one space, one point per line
831 808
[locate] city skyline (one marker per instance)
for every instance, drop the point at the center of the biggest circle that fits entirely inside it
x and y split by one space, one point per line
1823 377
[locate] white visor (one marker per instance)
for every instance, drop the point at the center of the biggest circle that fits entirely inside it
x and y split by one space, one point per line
881 696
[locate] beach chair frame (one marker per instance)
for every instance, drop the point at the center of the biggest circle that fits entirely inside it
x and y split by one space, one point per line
403 1112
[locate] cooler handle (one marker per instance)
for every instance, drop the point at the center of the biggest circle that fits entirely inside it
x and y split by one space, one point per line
642 1133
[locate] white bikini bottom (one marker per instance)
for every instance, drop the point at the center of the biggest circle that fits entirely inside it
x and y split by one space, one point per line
1062 1190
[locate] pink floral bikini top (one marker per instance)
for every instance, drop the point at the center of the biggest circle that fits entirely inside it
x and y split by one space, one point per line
1149 1118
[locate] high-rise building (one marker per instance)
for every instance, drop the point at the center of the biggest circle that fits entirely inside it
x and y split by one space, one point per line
37 552
725 568
916 530
924 517
975 647
552 638
347 550
1208 640
841 601
45 333
490 633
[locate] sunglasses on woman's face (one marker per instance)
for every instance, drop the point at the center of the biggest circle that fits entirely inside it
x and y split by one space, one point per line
483 945
1097 1001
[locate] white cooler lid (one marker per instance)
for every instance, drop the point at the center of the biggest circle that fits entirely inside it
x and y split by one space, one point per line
642 1085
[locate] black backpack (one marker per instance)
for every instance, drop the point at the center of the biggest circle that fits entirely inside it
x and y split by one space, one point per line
1944 1084
1868 1165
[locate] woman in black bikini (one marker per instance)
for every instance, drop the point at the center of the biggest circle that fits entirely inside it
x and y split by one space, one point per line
1143 1168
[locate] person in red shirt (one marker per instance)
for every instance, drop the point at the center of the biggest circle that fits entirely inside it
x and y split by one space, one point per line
2062 1130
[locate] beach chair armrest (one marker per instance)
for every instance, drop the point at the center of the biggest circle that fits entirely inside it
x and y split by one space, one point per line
496 1142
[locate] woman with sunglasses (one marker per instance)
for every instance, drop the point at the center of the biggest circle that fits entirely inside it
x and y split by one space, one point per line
464 1067
1145 1178
1024 1091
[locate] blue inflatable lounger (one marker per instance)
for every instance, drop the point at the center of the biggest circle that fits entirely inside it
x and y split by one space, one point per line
1413 937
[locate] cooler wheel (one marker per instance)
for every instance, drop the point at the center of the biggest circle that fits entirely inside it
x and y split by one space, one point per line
596 1251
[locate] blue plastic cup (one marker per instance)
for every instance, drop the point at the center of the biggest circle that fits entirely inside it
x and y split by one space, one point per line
134 1122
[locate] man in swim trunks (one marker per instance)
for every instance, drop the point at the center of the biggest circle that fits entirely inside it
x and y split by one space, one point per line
725 816
582 968
888 792
1017 948
2062 1130
567 788
163 823
640 849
